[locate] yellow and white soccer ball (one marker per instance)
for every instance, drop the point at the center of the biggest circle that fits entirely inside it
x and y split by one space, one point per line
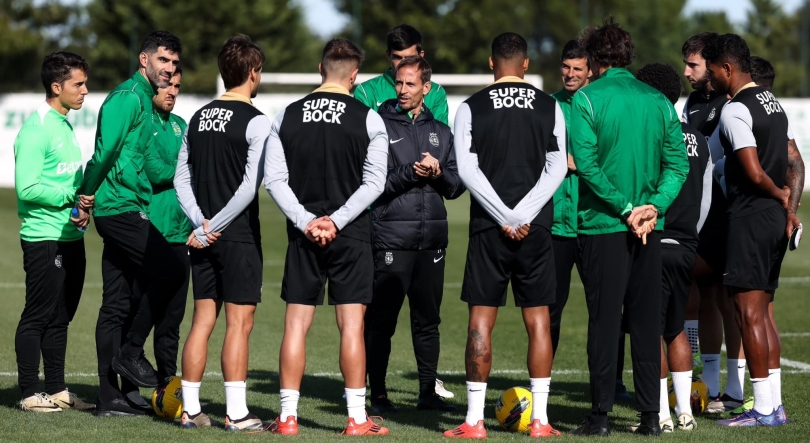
698 397
167 399
514 409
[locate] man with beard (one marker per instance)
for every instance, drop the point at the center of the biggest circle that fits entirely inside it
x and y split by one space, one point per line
135 252
716 312
168 217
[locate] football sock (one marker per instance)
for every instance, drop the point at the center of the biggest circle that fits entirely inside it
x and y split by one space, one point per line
476 397
236 399
663 402
108 388
763 399
682 384
289 403
691 327
540 389
736 378
356 404
775 380
711 373
191 397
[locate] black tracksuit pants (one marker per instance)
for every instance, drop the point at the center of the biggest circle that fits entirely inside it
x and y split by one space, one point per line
566 255
166 337
135 253
617 270
420 276
54 278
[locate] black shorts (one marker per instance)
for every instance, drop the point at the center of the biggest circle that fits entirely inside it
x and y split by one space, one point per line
714 234
756 247
494 260
228 271
347 263
677 261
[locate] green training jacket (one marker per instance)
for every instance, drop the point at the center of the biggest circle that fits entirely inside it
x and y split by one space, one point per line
376 91
627 143
115 173
567 195
161 162
48 169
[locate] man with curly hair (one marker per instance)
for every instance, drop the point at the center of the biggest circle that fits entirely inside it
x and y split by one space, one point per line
627 143
679 241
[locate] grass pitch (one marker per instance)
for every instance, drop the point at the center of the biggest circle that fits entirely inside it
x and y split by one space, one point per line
322 410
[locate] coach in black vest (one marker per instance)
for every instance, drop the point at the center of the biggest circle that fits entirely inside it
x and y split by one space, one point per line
409 227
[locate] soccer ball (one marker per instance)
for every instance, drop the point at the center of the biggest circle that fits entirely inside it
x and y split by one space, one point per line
514 409
698 399
167 400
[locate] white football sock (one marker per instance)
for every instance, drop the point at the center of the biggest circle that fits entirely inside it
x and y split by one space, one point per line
236 399
289 404
682 384
691 327
191 397
775 380
763 398
356 404
663 402
476 397
540 390
736 378
711 373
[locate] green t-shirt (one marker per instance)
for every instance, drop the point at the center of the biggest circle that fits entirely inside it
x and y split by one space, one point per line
374 92
48 169
566 197
160 165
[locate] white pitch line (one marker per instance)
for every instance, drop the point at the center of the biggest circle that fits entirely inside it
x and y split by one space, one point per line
794 334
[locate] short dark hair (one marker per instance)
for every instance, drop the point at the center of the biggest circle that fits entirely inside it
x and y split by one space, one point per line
508 46
663 78
157 39
728 48
609 45
762 72
178 70
573 49
237 58
340 57
421 65
696 43
403 37
57 68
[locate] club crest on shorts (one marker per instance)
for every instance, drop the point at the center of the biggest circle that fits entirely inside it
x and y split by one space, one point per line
389 257
144 216
58 261
711 114
434 139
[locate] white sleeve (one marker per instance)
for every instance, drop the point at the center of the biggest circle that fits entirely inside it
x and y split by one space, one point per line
685 111
737 125
475 180
278 176
182 186
553 174
706 196
375 170
255 135
790 132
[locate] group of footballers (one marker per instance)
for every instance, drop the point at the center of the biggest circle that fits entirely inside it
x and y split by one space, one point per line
603 175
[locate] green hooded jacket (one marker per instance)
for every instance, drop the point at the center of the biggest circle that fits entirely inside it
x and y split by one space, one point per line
627 143
567 195
115 173
161 162
376 91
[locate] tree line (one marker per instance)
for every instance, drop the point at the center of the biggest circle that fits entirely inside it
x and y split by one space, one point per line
457 34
